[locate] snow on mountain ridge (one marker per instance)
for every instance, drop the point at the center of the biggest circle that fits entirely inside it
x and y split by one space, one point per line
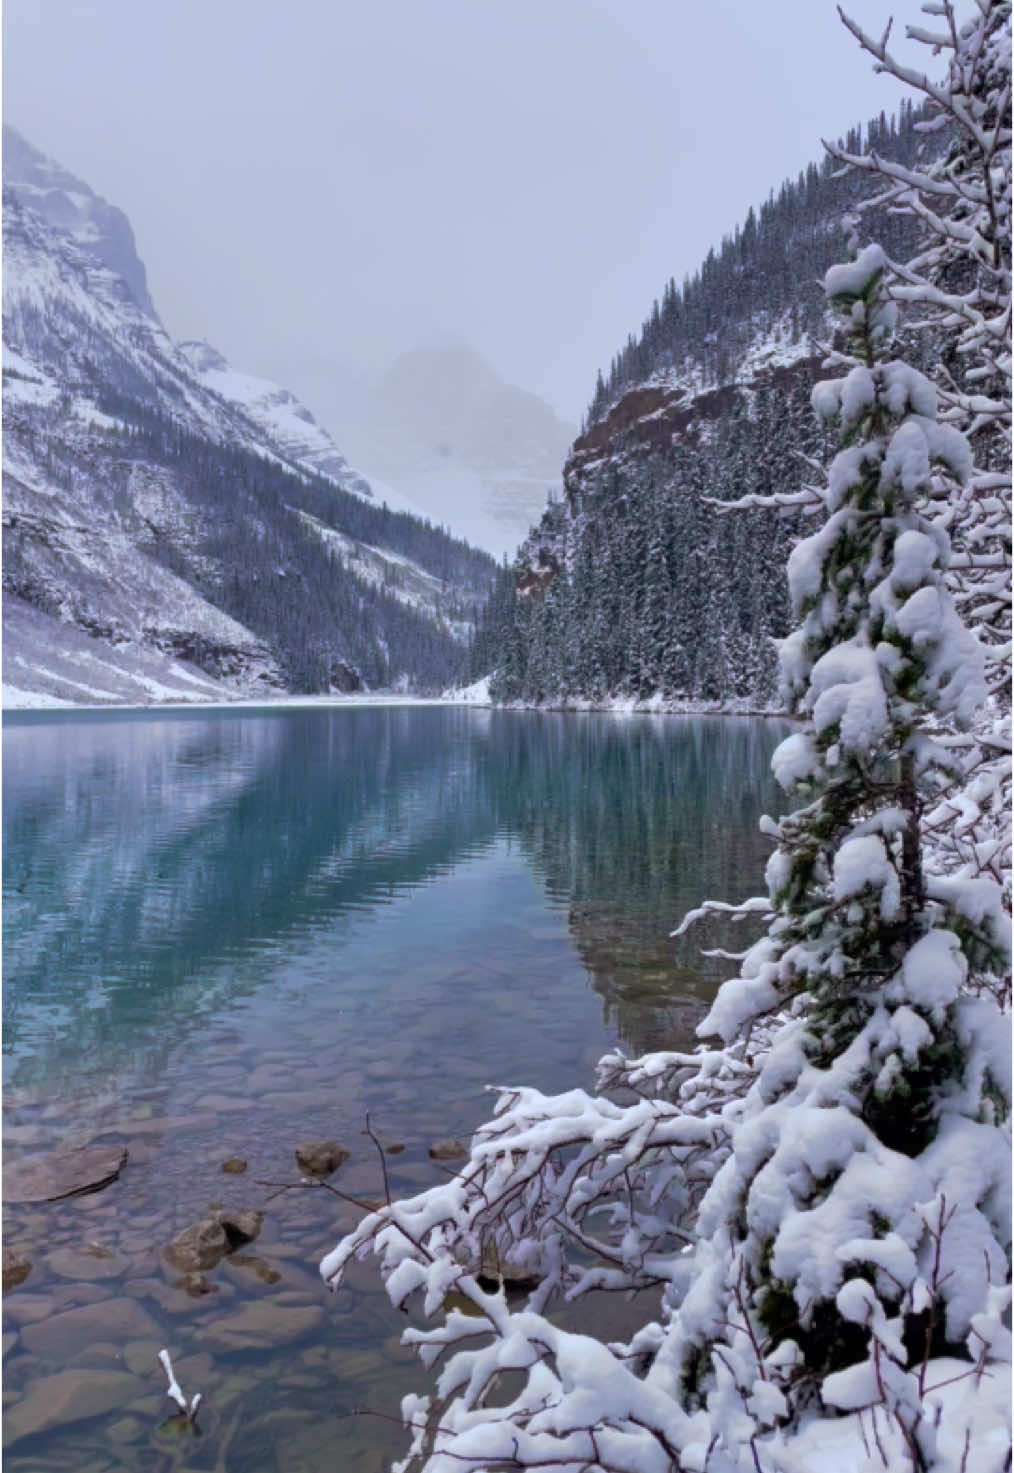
277 413
68 204
111 531
76 299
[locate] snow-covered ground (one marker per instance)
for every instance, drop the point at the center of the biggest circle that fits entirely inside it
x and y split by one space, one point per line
50 663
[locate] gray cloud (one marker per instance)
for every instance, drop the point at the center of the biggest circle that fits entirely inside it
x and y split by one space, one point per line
318 186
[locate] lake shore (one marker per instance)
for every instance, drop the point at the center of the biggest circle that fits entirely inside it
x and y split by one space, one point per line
16 700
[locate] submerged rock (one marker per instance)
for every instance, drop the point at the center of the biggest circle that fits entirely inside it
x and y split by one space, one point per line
16 1268
264 1322
234 1165
240 1224
63 1174
69 1396
196 1285
449 1150
91 1261
198 1247
255 1265
320 1158
74 1331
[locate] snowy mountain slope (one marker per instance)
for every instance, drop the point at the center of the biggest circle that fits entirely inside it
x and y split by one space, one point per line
399 576
286 424
47 661
70 206
127 456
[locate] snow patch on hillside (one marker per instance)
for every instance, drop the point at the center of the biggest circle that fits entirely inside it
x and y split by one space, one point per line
48 663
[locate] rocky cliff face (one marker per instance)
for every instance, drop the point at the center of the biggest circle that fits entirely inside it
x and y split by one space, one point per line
72 208
635 586
161 506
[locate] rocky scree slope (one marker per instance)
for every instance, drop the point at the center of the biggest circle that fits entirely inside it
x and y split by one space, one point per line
635 587
173 528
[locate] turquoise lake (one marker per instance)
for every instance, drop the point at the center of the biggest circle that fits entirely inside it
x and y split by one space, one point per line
229 932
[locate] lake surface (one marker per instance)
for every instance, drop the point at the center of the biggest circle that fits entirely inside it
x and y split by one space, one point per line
229 932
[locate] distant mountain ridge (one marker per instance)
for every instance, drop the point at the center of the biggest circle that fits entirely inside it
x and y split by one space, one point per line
126 457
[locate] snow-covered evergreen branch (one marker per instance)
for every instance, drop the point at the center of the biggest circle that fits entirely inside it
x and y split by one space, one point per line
822 1200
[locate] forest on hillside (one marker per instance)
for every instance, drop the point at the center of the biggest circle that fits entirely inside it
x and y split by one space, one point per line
247 551
637 585
811 1208
766 271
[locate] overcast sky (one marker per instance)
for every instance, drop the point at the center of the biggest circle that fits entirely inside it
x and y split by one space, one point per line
318 185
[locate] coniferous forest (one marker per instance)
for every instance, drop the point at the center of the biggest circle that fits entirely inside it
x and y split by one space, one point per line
250 552
815 1199
637 585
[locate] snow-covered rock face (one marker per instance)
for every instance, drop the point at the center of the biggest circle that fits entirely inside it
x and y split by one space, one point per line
67 204
277 413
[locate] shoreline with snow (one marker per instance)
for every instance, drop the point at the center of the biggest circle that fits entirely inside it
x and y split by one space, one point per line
16 700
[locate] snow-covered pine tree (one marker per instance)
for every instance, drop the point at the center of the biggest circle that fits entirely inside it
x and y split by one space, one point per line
957 293
859 1229
822 1201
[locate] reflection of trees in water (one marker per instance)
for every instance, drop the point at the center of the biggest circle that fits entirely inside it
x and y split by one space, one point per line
149 862
634 822
146 856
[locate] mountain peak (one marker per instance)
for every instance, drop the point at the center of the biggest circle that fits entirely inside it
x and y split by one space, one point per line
203 358
72 206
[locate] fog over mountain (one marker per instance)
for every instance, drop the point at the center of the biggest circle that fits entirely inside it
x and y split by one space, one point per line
175 527
466 448
317 189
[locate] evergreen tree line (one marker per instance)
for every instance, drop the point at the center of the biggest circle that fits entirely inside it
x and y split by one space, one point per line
437 551
247 551
659 591
766 270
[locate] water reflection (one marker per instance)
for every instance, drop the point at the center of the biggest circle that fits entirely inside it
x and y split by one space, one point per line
633 823
144 853
228 932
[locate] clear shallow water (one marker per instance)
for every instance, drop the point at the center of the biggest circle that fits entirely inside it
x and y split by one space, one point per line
229 932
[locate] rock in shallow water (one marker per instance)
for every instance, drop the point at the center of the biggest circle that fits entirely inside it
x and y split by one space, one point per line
234 1165
16 1268
264 1323
449 1150
75 1330
63 1174
196 1285
240 1224
320 1158
198 1246
255 1265
89 1262
69 1396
